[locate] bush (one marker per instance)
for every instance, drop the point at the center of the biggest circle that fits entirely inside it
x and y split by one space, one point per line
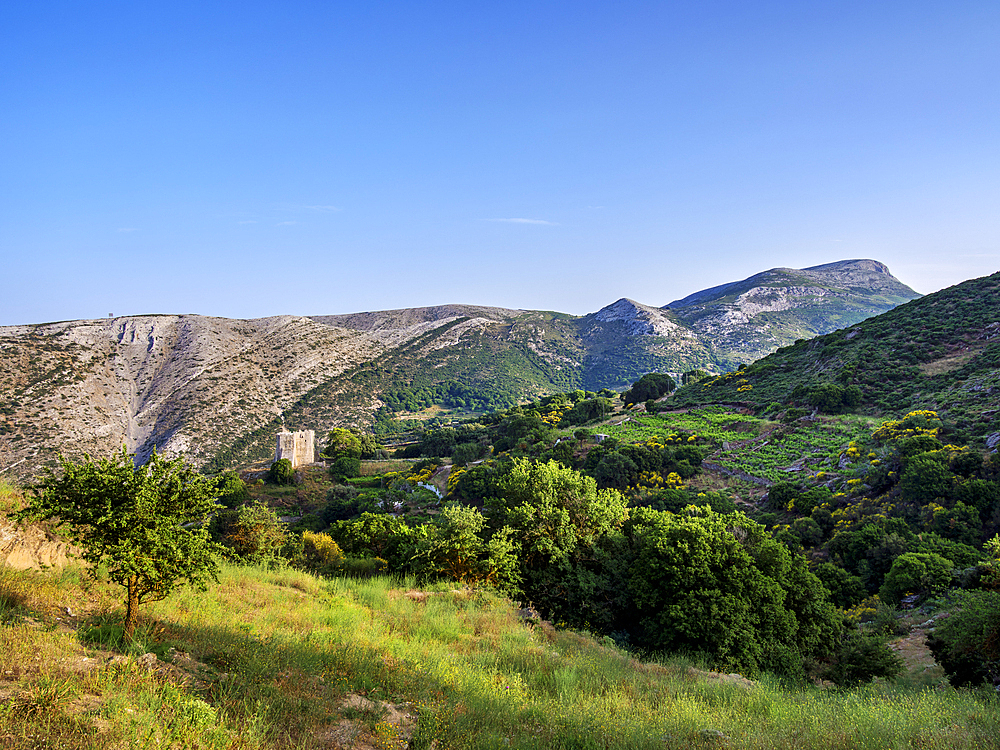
922 573
846 591
232 490
344 467
281 472
363 567
860 658
967 643
342 504
253 533
320 553
467 452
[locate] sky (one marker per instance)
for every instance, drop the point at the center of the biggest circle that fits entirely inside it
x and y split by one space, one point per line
312 158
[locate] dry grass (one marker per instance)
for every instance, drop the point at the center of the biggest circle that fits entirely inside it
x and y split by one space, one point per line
947 363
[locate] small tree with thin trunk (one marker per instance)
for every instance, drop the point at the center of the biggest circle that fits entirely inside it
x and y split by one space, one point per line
145 524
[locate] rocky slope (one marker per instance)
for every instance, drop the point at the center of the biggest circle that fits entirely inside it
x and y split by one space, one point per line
216 389
746 320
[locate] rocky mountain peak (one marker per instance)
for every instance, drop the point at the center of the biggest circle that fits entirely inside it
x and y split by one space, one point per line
639 319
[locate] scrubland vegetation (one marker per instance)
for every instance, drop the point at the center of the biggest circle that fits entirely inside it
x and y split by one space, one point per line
735 564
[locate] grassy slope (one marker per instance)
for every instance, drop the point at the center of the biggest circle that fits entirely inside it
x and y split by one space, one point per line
282 660
940 352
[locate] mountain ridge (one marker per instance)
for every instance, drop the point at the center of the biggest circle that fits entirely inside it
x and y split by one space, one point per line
216 389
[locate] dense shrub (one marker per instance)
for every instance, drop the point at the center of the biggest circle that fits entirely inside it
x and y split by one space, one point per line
232 490
922 573
281 472
967 643
721 586
253 533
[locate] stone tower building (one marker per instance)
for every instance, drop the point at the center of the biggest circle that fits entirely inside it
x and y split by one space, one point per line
297 447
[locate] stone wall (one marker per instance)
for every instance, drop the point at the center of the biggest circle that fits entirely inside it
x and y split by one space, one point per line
297 447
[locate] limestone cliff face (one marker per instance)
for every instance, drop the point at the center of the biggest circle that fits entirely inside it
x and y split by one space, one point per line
181 384
639 319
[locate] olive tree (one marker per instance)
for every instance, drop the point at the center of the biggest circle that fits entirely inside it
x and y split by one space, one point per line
145 524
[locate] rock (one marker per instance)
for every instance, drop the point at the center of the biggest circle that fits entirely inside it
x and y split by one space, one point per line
148 661
528 614
993 441
31 547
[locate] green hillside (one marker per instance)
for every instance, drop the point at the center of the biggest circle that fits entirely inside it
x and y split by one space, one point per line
940 352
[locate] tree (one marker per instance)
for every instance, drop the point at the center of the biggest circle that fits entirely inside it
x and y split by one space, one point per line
650 386
923 573
967 644
146 524
341 442
721 586
232 490
344 447
281 472
253 532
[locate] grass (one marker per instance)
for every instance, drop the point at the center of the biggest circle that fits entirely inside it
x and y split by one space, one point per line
287 660
11 499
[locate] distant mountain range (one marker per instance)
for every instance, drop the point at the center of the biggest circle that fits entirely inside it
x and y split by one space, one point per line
217 389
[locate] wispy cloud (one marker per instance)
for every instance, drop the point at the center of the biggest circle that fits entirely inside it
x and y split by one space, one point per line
527 221
286 223
128 229
299 208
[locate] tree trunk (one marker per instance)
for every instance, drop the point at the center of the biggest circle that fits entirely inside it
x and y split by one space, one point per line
132 613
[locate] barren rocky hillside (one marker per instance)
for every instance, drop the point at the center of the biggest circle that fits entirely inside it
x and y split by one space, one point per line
216 389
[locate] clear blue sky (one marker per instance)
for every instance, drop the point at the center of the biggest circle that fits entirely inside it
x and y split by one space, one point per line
245 159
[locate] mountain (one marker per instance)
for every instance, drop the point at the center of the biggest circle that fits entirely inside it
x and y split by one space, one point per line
216 389
745 320
940 352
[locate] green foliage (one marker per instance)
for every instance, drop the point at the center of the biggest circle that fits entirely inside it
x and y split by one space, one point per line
232 490
553 510
967 642
861 657
649 387
846 591
281 472
376 535
468 452
719 585
925 478
456 548
922 573
587 411
253 533
142 525
344 467
341 442
342 503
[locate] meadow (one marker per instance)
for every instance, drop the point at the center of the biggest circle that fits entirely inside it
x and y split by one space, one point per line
283 659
